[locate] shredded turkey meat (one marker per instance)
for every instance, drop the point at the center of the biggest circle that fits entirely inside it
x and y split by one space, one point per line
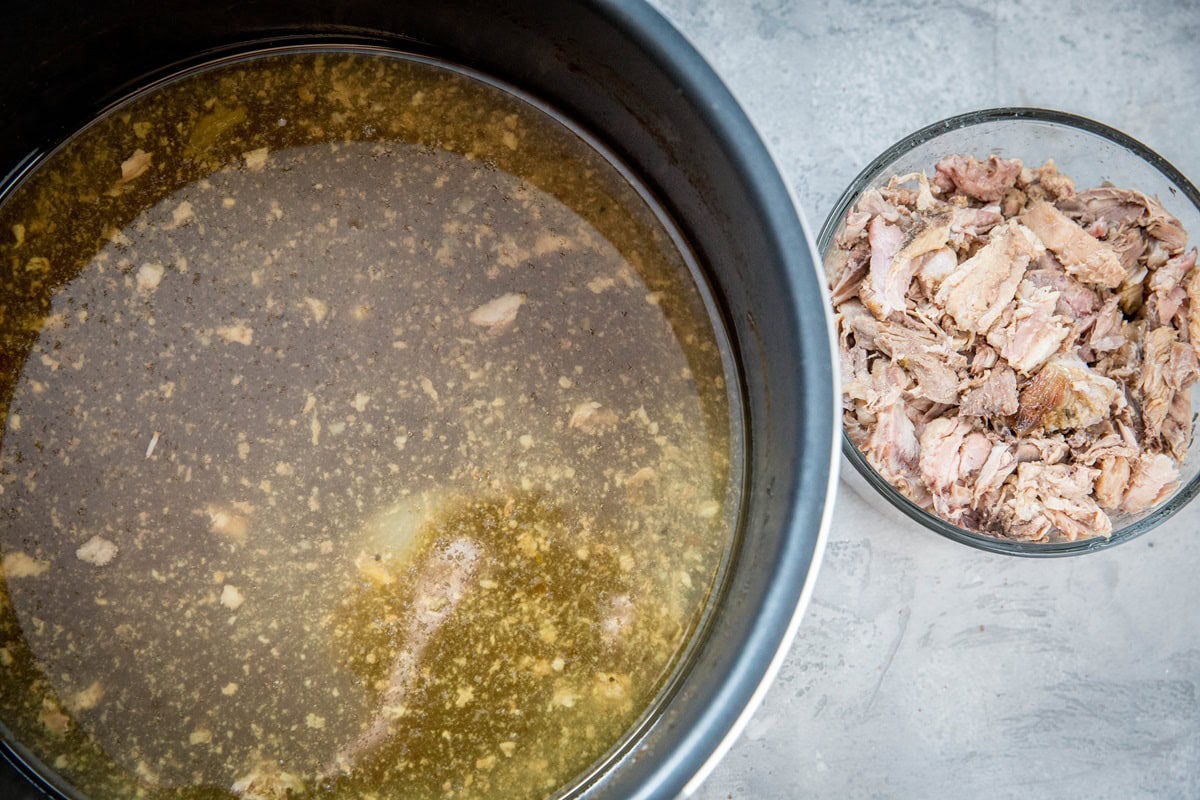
1018 357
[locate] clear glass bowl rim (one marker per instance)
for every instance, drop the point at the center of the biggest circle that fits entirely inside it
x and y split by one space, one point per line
861 182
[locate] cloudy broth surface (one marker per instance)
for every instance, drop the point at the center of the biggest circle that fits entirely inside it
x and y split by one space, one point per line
367 434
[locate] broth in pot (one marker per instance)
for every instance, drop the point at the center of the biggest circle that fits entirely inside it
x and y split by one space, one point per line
369 433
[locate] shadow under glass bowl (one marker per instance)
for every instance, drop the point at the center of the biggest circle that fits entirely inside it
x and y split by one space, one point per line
1092 154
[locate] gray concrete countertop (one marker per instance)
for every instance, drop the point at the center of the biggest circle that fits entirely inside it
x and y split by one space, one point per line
923 668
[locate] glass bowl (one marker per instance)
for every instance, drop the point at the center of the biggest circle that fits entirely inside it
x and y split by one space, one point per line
1090 153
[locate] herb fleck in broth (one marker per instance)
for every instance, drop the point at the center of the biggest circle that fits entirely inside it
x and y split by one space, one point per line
366 433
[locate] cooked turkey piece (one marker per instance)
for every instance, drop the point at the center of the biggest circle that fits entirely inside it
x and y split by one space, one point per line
1018 357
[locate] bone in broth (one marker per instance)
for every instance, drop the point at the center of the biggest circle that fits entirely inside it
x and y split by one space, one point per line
367 435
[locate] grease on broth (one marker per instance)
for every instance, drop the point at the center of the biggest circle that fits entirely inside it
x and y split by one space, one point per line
367 436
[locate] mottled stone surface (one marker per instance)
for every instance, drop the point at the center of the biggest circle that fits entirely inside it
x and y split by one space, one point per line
925 669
